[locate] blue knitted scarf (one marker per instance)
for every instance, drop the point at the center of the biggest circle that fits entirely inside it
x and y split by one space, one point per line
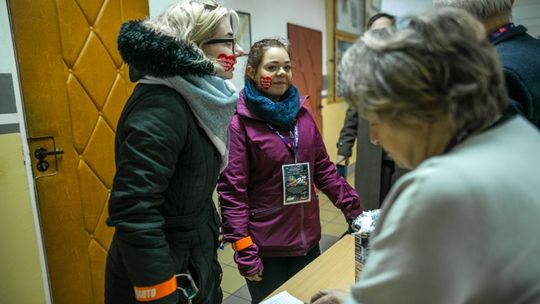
281 114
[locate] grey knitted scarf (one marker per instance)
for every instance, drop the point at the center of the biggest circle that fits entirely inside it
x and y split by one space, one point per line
212 100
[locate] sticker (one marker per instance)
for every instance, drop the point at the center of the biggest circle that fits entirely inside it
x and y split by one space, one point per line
226 61
296 183
266 82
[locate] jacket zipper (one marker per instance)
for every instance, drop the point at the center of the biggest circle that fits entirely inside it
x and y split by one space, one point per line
302 234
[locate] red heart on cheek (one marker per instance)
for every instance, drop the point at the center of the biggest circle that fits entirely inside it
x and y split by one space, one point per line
226 61
266 82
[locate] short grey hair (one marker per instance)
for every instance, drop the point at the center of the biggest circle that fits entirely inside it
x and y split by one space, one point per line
431 64
193 21
481 9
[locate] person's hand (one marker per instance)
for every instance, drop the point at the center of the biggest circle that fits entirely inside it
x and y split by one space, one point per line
256 277
340 159
329 296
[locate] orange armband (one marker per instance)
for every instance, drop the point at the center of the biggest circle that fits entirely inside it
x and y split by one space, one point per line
242 244
152 293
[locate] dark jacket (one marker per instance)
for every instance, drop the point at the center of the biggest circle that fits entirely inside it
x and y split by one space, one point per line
374 172
161 200
520 58
347 135
251 189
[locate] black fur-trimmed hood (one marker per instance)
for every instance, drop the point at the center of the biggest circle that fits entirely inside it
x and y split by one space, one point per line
160 55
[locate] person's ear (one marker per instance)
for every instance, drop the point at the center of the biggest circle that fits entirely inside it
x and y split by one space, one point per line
250 72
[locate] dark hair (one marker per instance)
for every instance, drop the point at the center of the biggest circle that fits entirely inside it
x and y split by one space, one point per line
259 48
377 16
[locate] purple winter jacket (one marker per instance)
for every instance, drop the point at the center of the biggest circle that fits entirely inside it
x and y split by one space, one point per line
251 189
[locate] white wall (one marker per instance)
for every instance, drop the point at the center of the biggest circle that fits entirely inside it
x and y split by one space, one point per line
6 51
270 18
403 7
527 12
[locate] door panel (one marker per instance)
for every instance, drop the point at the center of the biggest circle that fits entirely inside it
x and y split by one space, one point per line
74 88
307 66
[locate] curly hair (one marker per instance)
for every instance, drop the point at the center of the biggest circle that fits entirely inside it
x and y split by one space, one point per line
431 64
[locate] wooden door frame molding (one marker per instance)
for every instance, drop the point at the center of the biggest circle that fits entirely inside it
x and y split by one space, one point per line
339 38
333 37
19 102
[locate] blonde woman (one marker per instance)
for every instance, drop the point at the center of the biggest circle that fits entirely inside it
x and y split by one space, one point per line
171 144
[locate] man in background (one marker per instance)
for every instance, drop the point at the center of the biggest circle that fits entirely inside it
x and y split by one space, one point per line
519 51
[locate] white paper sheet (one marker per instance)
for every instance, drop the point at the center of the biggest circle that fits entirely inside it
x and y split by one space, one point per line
282 298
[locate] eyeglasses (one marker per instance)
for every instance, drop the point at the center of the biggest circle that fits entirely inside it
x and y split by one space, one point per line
231 40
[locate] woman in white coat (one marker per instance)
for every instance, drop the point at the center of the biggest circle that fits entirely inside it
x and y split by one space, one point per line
463 226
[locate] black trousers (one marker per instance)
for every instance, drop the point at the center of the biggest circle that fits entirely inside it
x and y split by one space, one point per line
277 271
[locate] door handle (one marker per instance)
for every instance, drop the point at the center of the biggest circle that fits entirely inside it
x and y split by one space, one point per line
42 153
41 148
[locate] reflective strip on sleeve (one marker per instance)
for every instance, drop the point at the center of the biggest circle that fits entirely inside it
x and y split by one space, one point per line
152 293
242 244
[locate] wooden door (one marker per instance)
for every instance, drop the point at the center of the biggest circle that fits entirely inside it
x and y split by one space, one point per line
307 66
74 87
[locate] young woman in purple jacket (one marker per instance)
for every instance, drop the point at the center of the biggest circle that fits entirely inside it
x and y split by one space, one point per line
277 159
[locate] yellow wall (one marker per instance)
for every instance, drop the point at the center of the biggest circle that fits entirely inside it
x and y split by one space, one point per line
333 115
19 259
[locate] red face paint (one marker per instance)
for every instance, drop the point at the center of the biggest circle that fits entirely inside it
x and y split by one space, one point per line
266 82
226 61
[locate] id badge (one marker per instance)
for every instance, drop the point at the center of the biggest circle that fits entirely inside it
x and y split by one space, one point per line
296 183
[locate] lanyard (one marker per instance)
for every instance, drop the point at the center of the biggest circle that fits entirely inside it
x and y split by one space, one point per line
294 146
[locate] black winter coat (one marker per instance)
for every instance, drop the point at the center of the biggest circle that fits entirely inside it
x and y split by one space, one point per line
520 58
161 201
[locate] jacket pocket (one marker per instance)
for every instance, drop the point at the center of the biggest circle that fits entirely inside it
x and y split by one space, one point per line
180 253
263 212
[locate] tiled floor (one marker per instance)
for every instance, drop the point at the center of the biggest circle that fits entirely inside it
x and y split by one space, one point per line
233 284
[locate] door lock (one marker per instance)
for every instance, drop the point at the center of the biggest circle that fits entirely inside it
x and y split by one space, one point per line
41 153
42 165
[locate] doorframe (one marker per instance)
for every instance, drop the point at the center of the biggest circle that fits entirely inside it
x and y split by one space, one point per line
21 119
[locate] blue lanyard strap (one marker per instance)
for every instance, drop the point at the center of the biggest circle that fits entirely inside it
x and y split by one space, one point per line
294 146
